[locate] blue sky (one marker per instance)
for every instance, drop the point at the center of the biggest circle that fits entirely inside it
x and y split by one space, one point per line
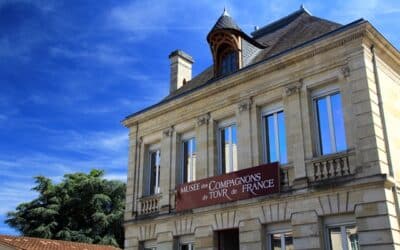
70 71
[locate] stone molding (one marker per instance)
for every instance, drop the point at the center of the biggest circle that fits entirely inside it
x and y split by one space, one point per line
168 132
203 119
345 71
244 105
293 88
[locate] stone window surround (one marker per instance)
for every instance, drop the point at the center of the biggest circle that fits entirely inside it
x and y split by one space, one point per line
224 123
315 95
265 111
185 137
188 239
336 221
282 227
149 148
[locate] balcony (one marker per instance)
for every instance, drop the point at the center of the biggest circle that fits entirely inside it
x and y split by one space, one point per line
329 167
149 204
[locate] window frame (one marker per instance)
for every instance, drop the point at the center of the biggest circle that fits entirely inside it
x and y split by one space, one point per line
154 149
186 240
265 112
327 93
184 139
343 234
223 125
278 231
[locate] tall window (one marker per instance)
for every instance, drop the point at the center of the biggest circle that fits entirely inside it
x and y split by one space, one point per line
154 167
228 149
189 160
228 63
275 137
331 131
343 238
281 241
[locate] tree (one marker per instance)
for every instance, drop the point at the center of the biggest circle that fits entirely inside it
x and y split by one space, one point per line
83 207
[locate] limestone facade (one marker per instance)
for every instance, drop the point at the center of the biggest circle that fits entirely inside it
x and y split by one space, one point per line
362 192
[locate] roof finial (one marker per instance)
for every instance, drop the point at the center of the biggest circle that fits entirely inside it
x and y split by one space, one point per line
225 13
302 7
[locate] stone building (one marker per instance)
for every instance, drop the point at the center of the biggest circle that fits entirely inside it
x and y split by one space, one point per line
318 97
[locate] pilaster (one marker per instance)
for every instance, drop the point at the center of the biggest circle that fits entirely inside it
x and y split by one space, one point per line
205 238
165 169
294 130
131 180
251 235
306 230
202 146
244 133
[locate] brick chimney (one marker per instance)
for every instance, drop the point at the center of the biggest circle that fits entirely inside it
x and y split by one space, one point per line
181 69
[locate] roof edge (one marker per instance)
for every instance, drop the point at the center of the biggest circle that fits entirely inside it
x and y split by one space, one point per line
338 30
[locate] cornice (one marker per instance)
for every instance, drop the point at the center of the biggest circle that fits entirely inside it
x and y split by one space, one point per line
276 63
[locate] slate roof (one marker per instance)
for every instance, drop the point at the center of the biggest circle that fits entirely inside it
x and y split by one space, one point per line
278 36
29 243
225 21
289 32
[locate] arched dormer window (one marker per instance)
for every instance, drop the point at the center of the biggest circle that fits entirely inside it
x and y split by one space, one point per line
228 61
225 49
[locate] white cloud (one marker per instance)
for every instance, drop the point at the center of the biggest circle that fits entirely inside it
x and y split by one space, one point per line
116 176
100 53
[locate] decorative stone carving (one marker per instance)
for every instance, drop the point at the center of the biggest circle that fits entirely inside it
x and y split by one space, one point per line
168 132
244 105
201 120
345 71
293 88
140 141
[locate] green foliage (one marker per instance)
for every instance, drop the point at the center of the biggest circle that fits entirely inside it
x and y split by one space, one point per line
83 207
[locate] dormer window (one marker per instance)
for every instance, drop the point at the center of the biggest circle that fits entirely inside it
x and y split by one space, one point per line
226 53
228 62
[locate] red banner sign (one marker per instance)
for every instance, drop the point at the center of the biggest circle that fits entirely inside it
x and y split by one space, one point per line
239 185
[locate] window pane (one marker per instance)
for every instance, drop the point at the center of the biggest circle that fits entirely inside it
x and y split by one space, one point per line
352 238
153 169
227 150
234 148
186 160
276 242
193 160
282 137
288 241
338 122
223 150
228 147
323 126
335 238
271 139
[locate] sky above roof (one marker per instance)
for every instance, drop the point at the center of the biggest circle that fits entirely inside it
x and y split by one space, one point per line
70 71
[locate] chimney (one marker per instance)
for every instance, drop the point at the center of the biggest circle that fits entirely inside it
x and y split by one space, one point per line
181 69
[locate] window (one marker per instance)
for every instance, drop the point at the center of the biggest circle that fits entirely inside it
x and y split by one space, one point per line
148 245
185 242
154 166
228 63
228 149
189 160
186 246
228 239
331 131
281 241
343 237
275 137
